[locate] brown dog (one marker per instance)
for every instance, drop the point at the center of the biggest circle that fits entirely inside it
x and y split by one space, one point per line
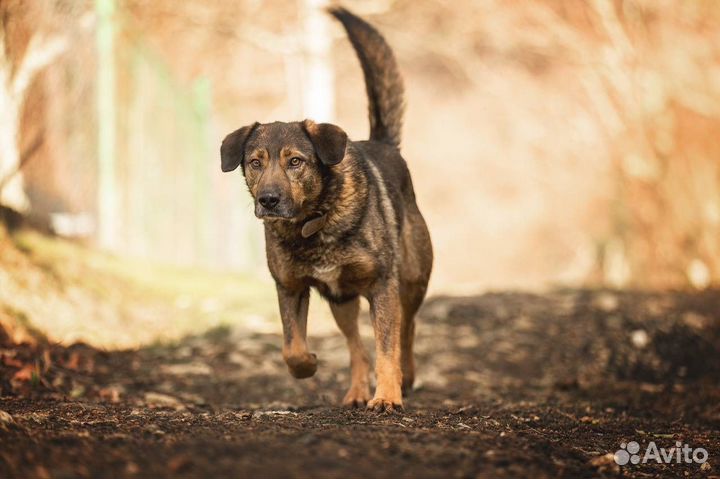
341 216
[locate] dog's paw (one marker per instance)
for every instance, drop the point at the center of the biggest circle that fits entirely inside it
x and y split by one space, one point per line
303 366
381 405
357 396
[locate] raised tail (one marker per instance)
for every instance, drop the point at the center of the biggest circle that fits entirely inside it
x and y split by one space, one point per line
382 77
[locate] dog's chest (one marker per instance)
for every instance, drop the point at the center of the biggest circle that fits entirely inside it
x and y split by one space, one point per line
329 275
334 271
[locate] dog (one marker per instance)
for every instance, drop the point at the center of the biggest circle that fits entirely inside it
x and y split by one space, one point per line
340 216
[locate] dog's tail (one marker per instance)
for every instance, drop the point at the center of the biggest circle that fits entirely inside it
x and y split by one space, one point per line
382 77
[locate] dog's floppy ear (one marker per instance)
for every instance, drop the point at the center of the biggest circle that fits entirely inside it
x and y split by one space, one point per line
328 140
231 151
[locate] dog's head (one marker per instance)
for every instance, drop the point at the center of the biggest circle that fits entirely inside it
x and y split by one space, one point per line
285 164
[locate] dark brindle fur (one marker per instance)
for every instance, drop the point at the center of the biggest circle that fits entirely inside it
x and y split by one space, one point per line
341 216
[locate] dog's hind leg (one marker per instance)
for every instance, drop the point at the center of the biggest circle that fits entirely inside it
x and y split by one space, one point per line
346 316
412 297
386 313
414 277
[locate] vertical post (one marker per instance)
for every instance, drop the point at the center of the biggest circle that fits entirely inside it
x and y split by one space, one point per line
107 218
201 154
319 91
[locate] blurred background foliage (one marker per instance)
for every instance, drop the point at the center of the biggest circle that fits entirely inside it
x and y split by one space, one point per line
552 142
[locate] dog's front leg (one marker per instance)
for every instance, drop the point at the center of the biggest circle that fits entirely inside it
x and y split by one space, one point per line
294 311
386 313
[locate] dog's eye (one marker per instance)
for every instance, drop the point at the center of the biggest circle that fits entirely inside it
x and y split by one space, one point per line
295 161
255 164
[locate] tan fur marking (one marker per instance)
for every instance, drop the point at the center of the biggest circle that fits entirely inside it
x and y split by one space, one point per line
388 210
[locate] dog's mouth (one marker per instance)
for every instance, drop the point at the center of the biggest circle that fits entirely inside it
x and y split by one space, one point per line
273 217
275 214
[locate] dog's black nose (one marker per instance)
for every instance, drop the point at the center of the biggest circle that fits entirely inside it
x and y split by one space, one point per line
269 200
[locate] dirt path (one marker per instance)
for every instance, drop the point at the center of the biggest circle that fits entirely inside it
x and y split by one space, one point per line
510 385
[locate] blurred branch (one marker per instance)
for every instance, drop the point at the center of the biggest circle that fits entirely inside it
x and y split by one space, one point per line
621 54
264 39
27 154
613 26
259 38
41 52
15 78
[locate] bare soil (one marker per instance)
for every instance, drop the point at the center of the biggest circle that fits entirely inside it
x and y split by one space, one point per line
510 385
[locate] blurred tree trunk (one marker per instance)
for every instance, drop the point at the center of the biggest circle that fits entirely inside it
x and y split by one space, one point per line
16 75
107 215
319 91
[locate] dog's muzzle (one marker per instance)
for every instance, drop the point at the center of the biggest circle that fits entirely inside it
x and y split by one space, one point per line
272 204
